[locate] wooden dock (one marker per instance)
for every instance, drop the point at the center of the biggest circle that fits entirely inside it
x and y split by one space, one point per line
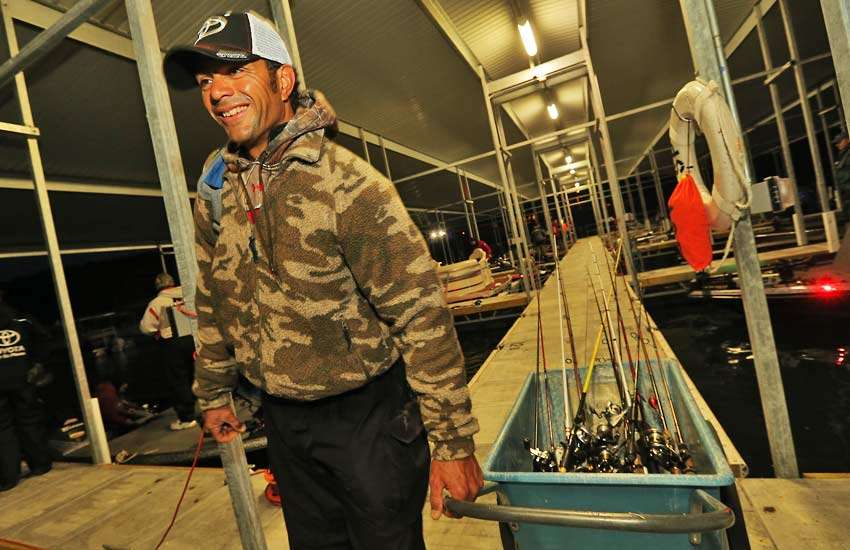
684 273
493 303
127 507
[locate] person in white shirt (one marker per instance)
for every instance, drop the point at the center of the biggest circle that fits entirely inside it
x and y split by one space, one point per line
177 350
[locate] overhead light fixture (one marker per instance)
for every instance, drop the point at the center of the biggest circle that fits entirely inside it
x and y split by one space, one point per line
528 40
569 159
573 171
577 184
553 111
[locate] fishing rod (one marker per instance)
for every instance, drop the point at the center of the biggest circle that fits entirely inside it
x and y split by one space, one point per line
618 360
580 440
568 318
543 460
684 455
632 420
563 308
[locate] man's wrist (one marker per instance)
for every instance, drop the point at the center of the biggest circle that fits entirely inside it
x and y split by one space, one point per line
220 401
453 449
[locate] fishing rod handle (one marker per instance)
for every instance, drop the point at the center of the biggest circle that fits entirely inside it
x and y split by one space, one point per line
718 517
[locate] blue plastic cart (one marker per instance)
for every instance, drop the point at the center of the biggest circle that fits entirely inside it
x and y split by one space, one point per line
596 510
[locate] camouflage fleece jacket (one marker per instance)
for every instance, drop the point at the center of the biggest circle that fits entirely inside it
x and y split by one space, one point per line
327 289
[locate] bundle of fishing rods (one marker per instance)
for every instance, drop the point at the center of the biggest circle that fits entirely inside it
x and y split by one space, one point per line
632 435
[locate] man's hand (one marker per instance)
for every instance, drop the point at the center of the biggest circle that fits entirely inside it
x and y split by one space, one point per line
462 478
222 423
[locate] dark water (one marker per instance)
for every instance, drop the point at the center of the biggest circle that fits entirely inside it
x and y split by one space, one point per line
478 340
710 338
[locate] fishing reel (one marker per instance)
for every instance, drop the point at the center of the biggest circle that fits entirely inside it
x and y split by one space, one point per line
660 451
541 460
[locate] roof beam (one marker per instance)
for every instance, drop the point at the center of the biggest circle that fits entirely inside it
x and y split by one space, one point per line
19 130
554 72
49 38
93 188
39 15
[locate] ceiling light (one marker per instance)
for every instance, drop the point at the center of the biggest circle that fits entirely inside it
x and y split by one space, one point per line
577 184
553 111
569 159
573 171
527 36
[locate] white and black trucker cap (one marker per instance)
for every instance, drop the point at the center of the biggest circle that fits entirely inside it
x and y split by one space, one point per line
231 37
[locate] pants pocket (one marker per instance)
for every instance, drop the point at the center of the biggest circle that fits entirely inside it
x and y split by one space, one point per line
410 457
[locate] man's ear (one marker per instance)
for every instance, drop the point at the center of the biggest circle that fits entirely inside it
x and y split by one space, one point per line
285 80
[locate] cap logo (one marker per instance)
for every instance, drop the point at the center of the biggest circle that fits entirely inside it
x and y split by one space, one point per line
211 26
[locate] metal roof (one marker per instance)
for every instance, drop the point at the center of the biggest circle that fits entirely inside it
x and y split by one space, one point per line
386 65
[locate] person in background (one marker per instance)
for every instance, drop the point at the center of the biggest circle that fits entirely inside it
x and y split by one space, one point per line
540 240
22 431
177 351
842 170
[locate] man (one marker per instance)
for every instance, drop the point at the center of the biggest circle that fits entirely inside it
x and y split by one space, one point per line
316 284
176 349
22 432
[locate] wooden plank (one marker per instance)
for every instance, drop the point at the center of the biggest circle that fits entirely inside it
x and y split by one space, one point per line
826 475
42 500
757 532
211 525
493 303
682 273
148 510
801 513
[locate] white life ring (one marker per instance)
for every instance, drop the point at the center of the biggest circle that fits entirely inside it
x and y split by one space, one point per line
699 105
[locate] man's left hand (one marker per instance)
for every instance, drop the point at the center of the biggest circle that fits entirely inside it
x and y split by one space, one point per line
461 478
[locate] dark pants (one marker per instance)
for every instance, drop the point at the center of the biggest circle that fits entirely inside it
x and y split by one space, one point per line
179 373
22 434
352 469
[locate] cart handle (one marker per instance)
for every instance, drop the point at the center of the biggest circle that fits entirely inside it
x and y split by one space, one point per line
718 517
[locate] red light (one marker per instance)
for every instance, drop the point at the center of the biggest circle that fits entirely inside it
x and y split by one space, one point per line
825 286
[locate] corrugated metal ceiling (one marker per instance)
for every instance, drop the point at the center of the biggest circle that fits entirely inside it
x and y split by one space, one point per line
386 67
489 28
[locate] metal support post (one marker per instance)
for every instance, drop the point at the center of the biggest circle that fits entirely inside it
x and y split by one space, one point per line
570 219
506 228
710 62
601 190
282 15
471 203
180 222
514 195
547 216
387 171
465 201
836 16
809 122
94 422
773 88
365 145
565 239
49 38
826 137
517 239
594 203
662 201
626 183
642 197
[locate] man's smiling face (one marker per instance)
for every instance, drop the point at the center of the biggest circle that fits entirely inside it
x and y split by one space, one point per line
246 99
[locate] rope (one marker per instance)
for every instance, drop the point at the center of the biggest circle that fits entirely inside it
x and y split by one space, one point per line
185 487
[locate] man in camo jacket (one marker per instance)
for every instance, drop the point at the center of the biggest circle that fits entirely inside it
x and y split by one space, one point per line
315 285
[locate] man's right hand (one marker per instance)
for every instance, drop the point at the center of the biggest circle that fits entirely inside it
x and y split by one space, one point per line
222 423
